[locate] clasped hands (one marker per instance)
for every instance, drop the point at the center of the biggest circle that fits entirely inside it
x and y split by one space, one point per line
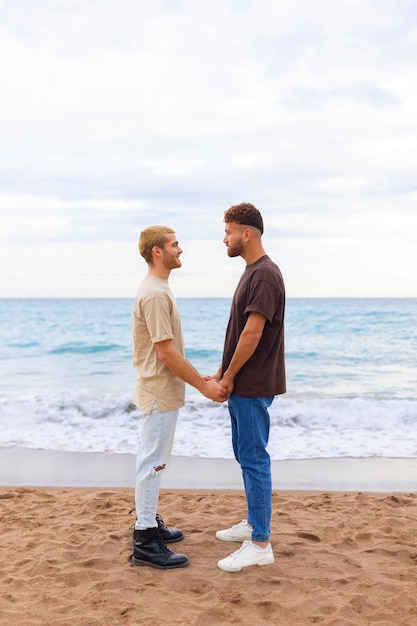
218 390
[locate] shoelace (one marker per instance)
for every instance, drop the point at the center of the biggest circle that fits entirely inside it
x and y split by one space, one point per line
240 550
159 520
162 543
242 524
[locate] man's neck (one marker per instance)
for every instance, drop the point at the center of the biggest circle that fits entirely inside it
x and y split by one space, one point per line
254 254
158 272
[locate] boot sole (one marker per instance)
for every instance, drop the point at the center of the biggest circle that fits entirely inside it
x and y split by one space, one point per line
139 562
173 540
165 540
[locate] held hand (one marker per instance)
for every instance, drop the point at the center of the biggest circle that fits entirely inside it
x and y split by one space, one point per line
215 391
227 384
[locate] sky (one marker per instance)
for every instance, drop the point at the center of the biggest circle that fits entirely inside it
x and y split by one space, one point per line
120 114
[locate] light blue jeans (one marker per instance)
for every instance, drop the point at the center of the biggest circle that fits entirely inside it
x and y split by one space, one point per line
158 430
250 434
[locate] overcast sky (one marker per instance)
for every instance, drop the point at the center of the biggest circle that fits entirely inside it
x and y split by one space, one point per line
119 114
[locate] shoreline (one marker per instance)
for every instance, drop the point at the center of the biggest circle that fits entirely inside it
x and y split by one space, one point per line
46 468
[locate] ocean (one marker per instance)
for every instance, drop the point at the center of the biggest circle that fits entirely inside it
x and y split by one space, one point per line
66 378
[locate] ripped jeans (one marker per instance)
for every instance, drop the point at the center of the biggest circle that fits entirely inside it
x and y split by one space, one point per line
158 430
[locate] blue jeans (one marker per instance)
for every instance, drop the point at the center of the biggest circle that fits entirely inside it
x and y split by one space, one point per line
154 453
250 434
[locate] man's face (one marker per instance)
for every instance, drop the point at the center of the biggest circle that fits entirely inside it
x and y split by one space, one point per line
171 252
234 238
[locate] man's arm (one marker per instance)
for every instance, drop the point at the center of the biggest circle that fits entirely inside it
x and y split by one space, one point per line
246 346
184 370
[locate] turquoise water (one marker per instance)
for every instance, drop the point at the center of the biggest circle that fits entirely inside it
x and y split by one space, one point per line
66 377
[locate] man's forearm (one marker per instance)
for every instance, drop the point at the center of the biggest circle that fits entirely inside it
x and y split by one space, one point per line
182 368
245 348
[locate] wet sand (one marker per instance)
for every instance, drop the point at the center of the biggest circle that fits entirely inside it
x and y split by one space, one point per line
79 469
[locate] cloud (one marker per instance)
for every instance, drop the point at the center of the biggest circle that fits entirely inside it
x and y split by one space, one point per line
115 116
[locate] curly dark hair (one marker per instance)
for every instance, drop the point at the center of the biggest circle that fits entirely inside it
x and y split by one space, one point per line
245 213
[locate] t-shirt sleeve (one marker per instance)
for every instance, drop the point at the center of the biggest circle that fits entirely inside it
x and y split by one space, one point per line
262 299
157 316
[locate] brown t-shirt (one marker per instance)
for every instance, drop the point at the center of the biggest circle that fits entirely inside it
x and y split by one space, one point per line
260 290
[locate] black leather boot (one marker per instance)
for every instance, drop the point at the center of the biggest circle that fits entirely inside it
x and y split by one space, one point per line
150 549
169 535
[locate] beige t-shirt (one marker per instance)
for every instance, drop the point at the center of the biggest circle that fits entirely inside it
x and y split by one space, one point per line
155 317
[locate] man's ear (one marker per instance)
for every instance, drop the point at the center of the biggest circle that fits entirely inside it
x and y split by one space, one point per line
157 252
247 234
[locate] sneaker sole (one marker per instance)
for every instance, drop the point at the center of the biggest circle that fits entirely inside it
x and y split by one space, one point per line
139 562
234 538
238 569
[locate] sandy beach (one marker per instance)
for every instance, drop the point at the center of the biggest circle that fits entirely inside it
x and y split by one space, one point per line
341 556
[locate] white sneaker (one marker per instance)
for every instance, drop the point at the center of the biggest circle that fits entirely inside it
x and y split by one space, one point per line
248 554
238 532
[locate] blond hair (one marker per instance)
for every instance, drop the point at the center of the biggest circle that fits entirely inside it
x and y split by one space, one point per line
150 237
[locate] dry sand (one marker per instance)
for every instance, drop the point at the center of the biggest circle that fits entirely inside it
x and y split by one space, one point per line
341 558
